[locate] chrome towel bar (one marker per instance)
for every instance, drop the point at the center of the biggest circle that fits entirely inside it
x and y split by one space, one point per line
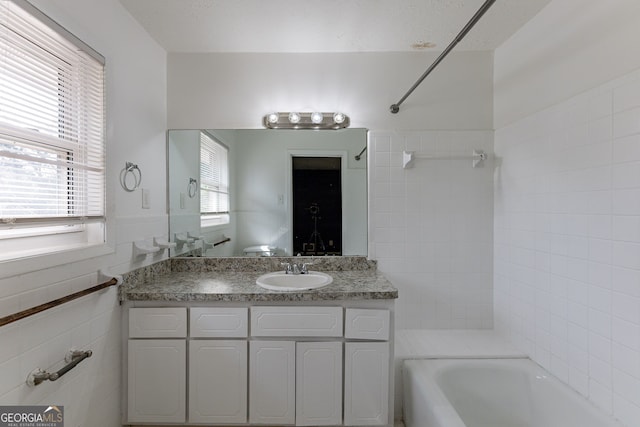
223 240
46 306
478 157
73 357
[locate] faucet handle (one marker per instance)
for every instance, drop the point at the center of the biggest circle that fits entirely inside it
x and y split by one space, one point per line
287 267
304 269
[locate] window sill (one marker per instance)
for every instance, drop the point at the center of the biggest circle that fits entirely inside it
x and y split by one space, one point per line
214 222
216 227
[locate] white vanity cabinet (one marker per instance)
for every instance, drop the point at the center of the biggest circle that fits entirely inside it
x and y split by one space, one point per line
217 381
272 372
366 362
318 383
218 365
295 383
156 365
250 364
366 383
157 381
215 369
295 373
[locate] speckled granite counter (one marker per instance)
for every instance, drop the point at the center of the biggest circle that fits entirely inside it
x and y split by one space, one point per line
234 280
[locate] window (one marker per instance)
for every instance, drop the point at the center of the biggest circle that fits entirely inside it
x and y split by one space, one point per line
214 181
52 121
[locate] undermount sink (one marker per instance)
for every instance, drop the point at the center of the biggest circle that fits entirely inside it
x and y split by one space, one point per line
280 281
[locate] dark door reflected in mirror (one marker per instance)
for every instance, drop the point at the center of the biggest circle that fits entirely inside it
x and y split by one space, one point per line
317 205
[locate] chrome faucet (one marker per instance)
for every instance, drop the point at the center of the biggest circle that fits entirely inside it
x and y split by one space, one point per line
295 268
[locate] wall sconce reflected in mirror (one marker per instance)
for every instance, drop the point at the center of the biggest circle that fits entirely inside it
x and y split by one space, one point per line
315 120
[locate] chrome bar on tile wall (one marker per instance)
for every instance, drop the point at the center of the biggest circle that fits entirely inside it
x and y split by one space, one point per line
73 357
224 239
477 156
46 306
487 4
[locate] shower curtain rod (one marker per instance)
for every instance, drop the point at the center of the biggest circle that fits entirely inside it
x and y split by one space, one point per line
487 4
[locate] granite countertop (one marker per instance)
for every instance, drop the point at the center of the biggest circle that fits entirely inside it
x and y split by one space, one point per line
241 286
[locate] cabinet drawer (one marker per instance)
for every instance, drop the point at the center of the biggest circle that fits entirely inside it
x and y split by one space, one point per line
208 322
296 321
369 324
158 322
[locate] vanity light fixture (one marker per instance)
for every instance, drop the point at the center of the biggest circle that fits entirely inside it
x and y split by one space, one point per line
272 118
314 120
294 118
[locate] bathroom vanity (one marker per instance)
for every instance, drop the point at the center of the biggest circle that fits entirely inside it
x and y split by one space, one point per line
206 345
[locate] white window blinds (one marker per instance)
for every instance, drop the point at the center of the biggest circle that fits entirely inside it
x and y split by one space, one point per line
214 176
52 120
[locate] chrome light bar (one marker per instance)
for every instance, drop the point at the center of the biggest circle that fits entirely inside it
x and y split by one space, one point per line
315 120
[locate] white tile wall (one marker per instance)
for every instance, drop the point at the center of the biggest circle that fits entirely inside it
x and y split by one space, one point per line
431 226
41 341
567 247
91 392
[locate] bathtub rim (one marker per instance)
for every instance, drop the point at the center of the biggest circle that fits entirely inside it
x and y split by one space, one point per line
428 369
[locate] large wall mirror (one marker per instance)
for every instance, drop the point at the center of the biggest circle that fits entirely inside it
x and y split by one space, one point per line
259 192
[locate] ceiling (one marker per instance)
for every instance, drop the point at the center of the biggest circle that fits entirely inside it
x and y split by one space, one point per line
288 26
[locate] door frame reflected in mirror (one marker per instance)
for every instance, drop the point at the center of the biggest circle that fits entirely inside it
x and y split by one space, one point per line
342 155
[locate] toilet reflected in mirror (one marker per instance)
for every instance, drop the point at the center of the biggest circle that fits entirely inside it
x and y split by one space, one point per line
260 250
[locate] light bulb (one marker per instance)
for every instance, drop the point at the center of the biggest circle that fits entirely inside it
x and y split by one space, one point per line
338 117
316 117
272 118
294 117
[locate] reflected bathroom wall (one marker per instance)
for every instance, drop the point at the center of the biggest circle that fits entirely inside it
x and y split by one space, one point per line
260 185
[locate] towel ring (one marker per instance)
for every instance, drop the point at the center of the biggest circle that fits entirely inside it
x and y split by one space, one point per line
192 188
130 168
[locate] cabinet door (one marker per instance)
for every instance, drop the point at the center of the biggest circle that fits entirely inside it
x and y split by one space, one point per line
157 381
272 382
366 383
217 381
318 383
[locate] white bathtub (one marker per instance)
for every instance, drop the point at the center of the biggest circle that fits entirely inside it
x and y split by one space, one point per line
492 393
